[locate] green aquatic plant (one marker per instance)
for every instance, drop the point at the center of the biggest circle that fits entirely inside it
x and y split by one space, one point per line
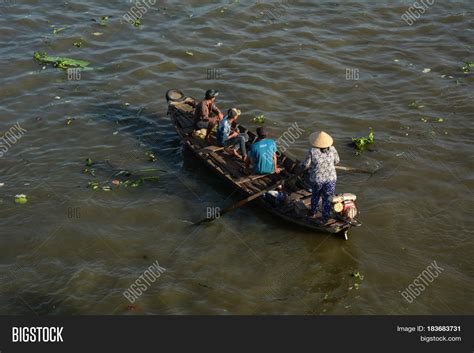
57 30
357 275
361 142
151 156
259 119
415 105
93 185
21 199
58 61
467 67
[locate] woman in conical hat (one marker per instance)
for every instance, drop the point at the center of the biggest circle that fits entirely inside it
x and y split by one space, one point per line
322 159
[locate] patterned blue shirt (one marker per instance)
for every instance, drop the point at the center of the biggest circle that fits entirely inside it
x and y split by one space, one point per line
322 165
223 131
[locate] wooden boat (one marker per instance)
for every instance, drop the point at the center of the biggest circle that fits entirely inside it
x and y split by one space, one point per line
230 169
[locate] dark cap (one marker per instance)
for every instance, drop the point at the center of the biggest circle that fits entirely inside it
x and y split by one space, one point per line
261 132
211 93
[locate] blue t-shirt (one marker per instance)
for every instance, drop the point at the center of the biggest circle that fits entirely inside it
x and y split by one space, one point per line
262 153
223 130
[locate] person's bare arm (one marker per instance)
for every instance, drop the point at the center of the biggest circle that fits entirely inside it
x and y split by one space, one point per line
275 164
216 111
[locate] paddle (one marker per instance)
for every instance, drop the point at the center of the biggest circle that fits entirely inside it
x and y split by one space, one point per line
272 187
351 169
248 199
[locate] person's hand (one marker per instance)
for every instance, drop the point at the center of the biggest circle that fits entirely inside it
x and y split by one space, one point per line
277 170
220 116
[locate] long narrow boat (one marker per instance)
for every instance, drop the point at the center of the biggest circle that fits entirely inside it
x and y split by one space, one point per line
231 170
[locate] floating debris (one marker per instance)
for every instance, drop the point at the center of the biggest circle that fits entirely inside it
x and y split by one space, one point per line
425 71
361 142
151 156
136 22
357 275
415 105
93 185
58 61
89 162
78 44
259 119
21 199
57 30
467 67
190 53
97 34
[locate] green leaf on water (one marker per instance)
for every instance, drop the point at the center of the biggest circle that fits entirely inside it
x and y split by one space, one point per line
78 44
467 67
60 62
137 22
57 30
259 119
357 275
361 142
136 183
21 199
88 162
93 185
415 105
151 156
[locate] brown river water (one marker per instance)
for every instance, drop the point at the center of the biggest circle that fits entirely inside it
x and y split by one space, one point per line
343 67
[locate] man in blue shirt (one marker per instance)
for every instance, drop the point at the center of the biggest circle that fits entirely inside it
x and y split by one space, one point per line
263 154
228 138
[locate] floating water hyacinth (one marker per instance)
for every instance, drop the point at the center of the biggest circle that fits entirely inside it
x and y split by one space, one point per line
361 142
58 61
467 67
259 119
21 199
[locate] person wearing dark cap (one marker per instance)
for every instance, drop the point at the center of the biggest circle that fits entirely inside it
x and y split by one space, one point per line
263 154
206 114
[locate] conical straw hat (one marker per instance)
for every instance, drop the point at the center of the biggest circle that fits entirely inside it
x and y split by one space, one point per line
320 140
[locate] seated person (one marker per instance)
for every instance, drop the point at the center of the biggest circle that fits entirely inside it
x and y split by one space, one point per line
206 114
227 137
263 154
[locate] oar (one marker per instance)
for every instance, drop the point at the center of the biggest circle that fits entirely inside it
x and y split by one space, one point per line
272 187
351 169
248 199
